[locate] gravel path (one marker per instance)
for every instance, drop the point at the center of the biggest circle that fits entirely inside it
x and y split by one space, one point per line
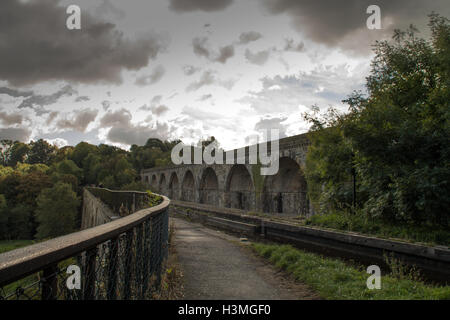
217 266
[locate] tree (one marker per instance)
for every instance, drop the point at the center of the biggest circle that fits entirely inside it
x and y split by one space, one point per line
41 152
56 211
19 153
399 134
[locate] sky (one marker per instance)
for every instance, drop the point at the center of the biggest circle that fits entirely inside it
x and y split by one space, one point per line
185 69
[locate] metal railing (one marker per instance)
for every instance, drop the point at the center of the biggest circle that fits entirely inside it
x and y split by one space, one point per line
121 259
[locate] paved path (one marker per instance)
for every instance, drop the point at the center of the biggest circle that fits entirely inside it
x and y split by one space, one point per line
217 266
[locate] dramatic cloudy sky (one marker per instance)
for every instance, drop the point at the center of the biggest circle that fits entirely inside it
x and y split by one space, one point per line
183 69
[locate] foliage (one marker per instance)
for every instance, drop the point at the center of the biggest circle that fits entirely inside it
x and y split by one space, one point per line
154 199
56 211
398 134
334 279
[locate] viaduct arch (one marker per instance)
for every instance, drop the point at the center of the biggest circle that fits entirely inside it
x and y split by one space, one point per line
240 185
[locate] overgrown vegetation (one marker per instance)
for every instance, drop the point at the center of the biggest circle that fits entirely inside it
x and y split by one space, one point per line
394 140
334 279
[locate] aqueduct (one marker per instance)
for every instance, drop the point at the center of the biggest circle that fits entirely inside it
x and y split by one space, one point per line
239 186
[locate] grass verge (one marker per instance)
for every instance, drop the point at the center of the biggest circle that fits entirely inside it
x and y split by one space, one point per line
360 222
336 280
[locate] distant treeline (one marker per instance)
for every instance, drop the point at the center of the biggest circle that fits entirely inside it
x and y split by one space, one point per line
41 184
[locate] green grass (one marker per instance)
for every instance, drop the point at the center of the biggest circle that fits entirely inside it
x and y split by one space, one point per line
334 279
359 222
8 245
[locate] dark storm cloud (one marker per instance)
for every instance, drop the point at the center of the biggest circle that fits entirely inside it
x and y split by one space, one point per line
152 78
202 49
199 5
338 24
247 37
37 101
82 119
36 46
20 134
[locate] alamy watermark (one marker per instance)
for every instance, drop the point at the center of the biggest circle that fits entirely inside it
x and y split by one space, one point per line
374 281
212 154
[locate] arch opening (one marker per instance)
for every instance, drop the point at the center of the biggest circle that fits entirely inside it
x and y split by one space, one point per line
285 192
162 184
188 187
239 189
209 187
174 187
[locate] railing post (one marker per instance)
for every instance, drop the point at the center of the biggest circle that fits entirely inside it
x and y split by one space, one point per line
111 294
50 283
128 263
147 243
139 261
90 277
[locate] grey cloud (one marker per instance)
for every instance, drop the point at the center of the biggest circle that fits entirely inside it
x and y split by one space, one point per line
82 98
138 134
36 101
121 118
258 58
15 93
156 99
205 97
291 46
155 76
51 117
268 123
336 24
247 37
199 5
190 70
82 119
207 78
200 46
323 86
97 53
19 134
106 8
202 49
225 53
11 118
106 104
159 110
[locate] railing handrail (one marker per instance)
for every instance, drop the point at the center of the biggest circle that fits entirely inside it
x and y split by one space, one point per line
119 191
24 261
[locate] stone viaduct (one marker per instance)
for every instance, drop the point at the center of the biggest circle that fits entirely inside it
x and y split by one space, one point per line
240 186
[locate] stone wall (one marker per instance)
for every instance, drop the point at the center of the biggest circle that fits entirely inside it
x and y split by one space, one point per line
95 212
